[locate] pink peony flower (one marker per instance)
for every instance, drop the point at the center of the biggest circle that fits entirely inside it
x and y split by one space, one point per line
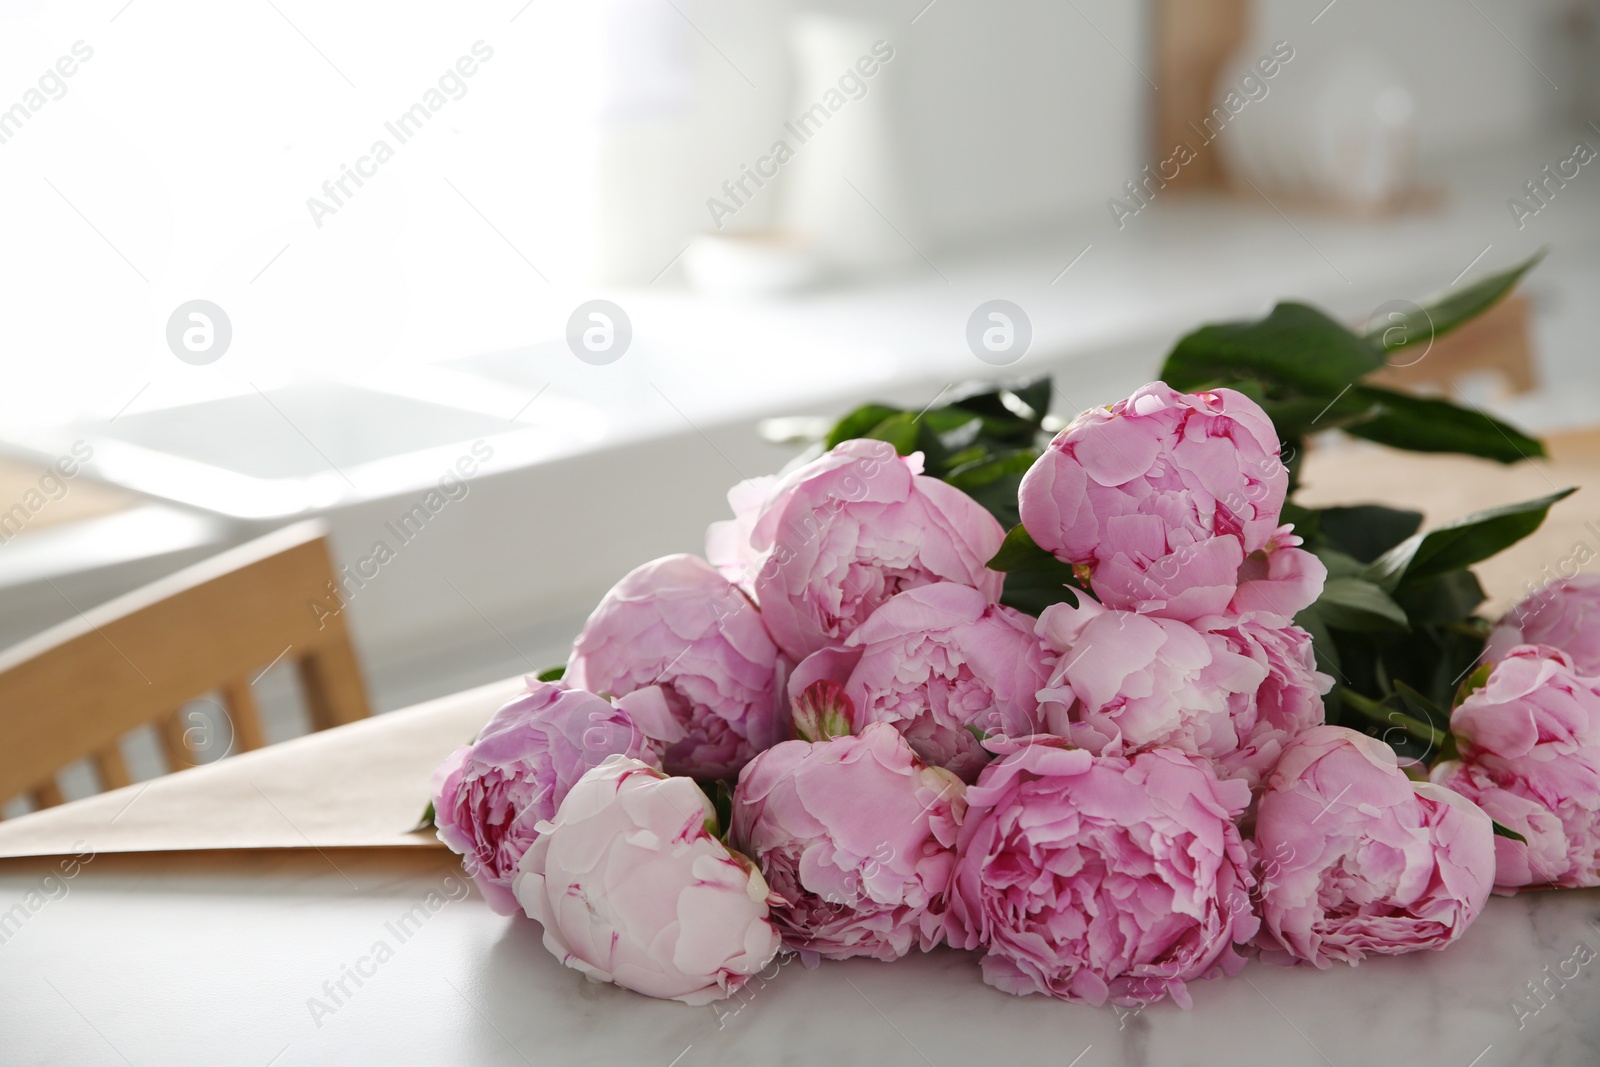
1288 701
677 625
1529 738
844 533
632 886
490 796
937 663
1161 496
1357 859
1094 878
857 836
728 546
1189 582
1126 682
1541 857
1280 580
1564 614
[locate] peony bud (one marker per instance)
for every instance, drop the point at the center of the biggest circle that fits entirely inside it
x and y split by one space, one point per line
824 710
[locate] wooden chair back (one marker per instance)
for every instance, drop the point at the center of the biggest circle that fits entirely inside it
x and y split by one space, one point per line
76 689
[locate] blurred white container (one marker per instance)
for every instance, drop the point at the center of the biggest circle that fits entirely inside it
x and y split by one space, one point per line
762 263
1340 129
845 191
678 116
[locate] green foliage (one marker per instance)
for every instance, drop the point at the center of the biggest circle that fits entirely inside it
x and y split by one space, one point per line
721 796
1428 424
1351 603
1306 369
983 440
1296 350
1461 543
1364 531
1400 633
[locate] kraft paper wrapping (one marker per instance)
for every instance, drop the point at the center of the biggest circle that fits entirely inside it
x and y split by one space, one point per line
357 786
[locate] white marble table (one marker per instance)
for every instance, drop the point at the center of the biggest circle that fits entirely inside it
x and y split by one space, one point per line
211 958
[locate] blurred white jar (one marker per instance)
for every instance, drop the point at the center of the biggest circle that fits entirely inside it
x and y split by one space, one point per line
845 191
1341 129
758 263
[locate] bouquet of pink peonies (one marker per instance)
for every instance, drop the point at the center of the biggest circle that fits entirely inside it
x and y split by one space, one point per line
1073 707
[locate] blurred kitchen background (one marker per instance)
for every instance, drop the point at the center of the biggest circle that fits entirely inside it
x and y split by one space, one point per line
400 211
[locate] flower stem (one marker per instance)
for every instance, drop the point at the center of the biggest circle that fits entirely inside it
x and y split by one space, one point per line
1378 713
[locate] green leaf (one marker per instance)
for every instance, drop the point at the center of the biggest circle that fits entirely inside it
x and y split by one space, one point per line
1506 831
1295 346
1339 565
993 481
1019 552
956 430
1460 544
1442 600
1446 313
721 795
551 674
1430 658
1296 417
1036 395
1007 408
1031 592
972 475
1307 522
1365 531
1356 604
1430 424
975 454
424 823
1472 683
1034 578
901 430
858 423
1002 429
1420 706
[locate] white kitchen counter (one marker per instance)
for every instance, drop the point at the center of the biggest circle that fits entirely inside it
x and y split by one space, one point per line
208 958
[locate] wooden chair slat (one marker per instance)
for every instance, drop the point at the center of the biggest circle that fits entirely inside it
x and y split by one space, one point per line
174 745
243 714
330 678
47 794
110 767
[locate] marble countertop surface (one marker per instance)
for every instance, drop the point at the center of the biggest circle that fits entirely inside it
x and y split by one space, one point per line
239 958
